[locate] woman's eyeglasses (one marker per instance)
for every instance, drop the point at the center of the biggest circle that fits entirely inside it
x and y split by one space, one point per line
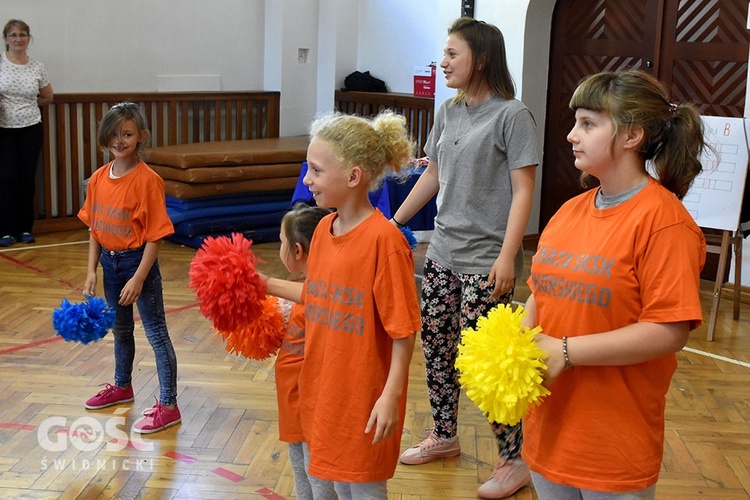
13 36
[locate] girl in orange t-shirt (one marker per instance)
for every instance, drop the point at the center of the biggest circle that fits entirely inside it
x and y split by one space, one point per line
126 211
297 229
361 310
615 288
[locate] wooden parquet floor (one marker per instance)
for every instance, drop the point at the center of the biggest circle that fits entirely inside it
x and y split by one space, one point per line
227 447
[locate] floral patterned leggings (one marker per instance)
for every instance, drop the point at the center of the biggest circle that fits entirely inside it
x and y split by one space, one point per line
452 302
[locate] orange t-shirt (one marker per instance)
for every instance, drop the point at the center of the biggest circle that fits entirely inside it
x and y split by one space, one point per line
127 212
602 427
287 369
359 296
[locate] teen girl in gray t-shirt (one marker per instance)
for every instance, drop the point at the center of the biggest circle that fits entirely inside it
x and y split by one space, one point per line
482 167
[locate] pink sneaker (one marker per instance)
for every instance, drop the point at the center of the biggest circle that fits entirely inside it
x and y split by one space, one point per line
509 476
157 418
432 448
110 395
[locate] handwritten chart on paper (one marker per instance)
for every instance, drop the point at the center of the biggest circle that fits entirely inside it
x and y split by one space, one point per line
715 198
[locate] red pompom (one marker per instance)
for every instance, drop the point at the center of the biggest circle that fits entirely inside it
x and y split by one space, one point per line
261 338
223 275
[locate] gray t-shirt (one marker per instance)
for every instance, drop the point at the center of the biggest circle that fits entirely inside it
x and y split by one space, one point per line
475 148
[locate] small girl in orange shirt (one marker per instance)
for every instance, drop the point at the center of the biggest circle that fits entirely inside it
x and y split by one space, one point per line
297 229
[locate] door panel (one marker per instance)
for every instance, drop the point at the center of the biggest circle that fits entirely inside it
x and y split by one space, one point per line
704 54
699 48
588 36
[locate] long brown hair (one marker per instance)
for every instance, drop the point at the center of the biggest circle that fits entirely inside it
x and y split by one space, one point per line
489 63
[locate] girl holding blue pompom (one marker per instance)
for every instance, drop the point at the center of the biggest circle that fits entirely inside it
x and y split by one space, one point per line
126 212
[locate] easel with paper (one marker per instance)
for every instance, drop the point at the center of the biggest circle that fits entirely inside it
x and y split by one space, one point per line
715 199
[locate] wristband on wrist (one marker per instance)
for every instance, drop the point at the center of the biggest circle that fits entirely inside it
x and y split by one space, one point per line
397 222
568 364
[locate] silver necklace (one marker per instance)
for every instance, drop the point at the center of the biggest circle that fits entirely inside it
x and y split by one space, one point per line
465 111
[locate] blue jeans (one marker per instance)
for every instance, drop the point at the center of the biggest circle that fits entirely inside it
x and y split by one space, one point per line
118 268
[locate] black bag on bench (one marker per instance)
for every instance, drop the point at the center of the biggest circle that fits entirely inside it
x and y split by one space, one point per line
364 82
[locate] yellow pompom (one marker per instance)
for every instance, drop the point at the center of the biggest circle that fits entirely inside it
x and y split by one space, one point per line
501 366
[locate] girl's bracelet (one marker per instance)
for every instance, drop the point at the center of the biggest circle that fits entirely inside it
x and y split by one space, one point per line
397 222
568 364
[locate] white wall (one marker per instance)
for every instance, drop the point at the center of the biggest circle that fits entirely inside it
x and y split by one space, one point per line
338 27
291 25
104 46
109 46
395 36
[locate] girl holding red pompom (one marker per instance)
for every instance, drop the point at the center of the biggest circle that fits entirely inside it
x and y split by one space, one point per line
127 214
361 310
297 229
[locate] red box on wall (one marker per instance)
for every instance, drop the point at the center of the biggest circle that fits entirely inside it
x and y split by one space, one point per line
424 81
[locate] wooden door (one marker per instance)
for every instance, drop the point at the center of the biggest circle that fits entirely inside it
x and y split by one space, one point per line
699 48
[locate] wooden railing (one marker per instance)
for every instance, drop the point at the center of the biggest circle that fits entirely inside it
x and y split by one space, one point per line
419 111
70 152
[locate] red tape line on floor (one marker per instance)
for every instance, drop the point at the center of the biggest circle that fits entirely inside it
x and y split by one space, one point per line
179 456
40 271
30 345
236 478
269 495
22 427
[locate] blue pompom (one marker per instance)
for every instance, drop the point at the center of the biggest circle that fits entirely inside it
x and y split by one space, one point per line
83 322
410 238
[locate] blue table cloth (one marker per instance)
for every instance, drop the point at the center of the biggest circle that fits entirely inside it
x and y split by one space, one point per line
387 199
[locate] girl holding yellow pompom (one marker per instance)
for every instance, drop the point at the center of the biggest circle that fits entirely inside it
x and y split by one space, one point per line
619 299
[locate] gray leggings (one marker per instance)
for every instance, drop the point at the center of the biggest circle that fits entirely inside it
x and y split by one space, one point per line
362 491
308 487
324 490
547 490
